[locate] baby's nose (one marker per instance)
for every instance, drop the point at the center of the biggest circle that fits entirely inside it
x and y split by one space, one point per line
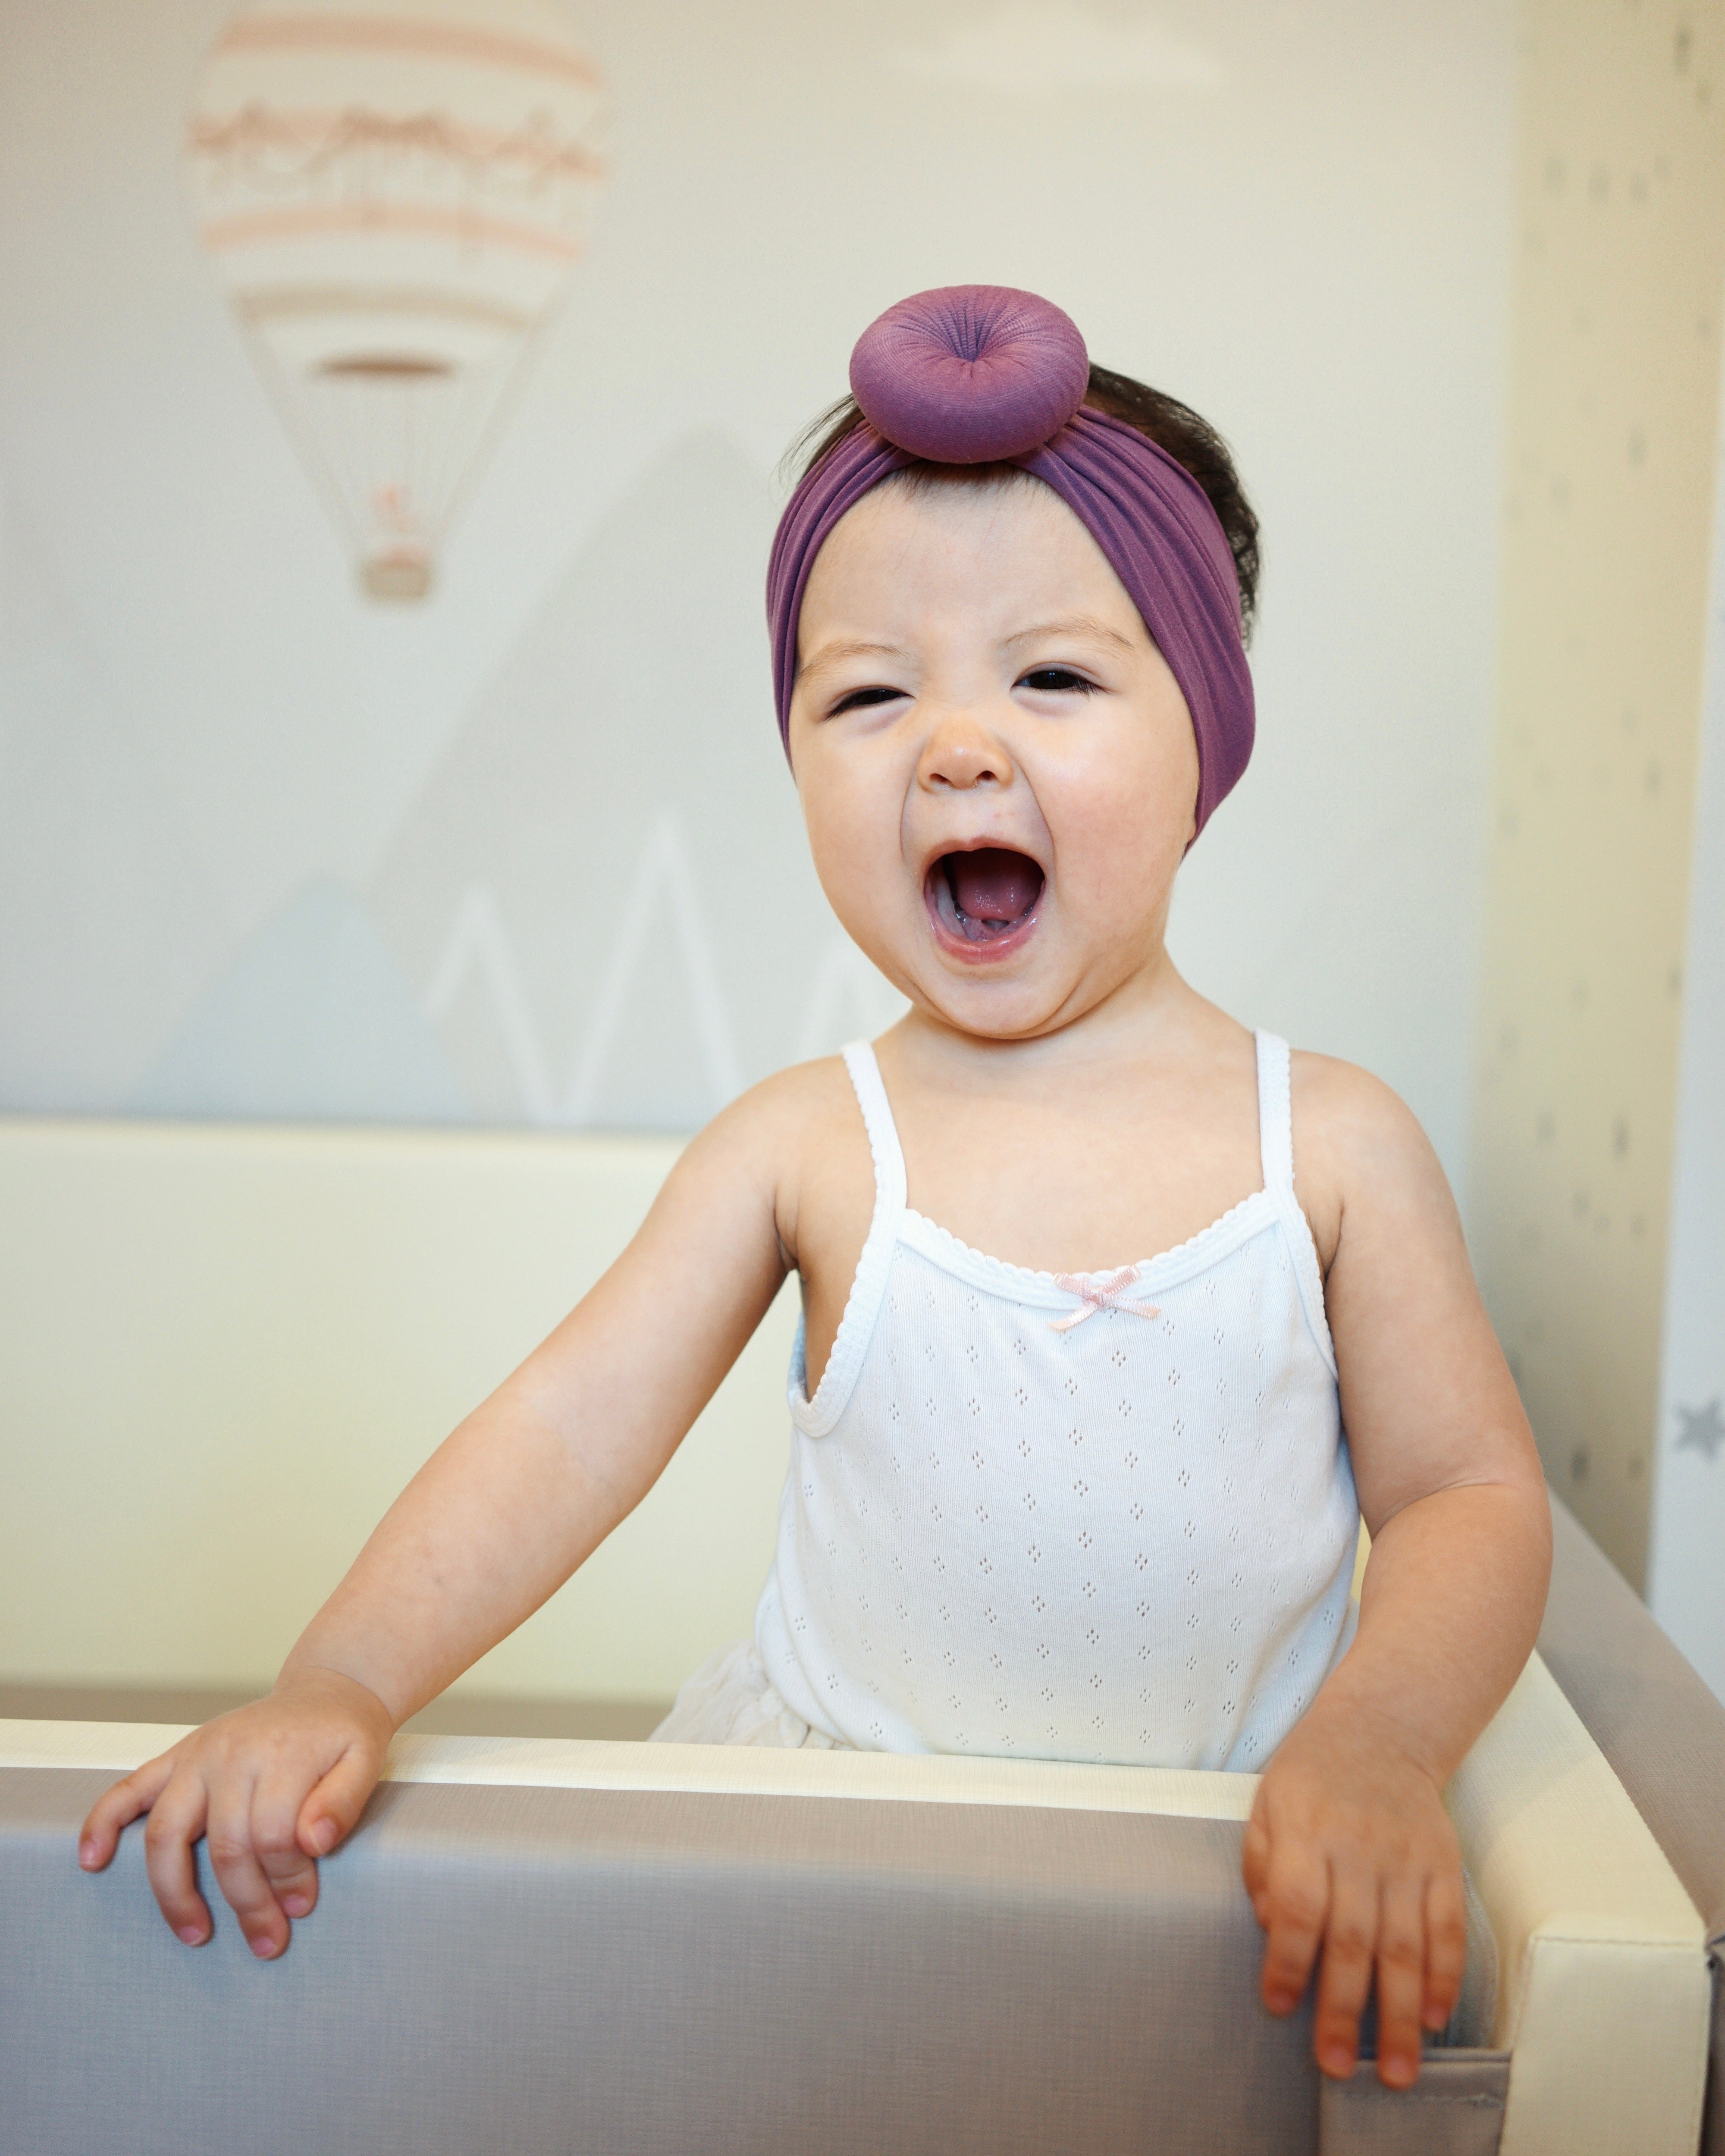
961 756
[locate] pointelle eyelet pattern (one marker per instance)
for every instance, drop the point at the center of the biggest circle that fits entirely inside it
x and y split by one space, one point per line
1132 1540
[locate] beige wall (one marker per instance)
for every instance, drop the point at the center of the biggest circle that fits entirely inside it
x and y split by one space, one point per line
224 1351
1609 474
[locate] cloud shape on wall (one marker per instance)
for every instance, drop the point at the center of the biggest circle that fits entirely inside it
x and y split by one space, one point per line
1030 47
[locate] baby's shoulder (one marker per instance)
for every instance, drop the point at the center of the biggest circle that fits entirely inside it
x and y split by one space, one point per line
805 1099
1357 1144
1345 1103
801 1136
779 1120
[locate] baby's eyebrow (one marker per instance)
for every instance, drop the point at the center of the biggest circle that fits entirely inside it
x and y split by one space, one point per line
1072 624
830 654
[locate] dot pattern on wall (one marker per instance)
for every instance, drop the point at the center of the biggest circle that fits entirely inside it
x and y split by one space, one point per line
1703 1428
1608 517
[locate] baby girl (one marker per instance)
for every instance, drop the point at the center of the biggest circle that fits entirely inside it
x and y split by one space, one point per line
1045 1500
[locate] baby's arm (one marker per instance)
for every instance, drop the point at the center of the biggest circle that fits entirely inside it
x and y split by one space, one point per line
494 1521
1349 1845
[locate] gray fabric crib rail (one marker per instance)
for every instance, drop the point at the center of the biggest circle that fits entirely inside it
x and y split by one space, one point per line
630 1949
638 1972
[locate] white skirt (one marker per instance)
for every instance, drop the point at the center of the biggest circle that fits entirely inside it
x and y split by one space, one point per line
731 1700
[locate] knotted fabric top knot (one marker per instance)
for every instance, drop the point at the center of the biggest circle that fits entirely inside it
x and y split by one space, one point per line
970 374
979 374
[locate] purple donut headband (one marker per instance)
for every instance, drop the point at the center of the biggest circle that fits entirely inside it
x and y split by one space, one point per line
981 374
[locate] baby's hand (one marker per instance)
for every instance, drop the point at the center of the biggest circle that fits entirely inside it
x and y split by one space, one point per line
273 1786
1349 1845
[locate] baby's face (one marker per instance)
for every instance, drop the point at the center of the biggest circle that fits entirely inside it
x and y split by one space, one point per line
996 766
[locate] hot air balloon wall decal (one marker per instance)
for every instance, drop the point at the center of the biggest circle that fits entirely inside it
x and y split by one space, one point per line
392 193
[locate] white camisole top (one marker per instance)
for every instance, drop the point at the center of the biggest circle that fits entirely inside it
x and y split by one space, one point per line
1096 1515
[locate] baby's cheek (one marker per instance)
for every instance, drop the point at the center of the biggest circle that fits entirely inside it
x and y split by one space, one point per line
1120 872
1127 796
856 856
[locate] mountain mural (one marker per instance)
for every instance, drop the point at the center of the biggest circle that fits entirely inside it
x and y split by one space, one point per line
599 911
603 893
106 925
313 1021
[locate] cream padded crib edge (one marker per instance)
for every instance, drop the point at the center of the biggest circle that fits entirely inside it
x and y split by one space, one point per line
1603 1989
547 1762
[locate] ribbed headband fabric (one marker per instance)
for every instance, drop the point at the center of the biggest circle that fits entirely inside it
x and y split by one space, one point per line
981 374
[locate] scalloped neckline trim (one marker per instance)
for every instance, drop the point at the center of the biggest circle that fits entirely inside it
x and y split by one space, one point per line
1193 1245
1219 1240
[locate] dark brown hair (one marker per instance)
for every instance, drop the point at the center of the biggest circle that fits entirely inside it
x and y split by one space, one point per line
1174 427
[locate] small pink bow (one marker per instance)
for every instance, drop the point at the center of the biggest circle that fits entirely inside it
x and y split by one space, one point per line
1099 1291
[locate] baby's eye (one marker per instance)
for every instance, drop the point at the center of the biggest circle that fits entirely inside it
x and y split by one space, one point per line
858 699
1055 681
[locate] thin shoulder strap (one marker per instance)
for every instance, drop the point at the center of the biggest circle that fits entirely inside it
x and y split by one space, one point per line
816 1417
1275 1143
883 1132
1276 1114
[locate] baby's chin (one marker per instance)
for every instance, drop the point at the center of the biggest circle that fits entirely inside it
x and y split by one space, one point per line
1021 994
1048 981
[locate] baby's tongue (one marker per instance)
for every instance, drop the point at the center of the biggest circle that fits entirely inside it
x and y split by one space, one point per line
995 885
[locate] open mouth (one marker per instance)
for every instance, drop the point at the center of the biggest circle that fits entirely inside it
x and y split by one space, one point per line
984 898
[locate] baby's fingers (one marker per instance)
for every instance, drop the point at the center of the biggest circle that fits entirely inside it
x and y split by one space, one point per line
1293 1903
116 1809
1350 1941
1254 1863
291 1872
331 1811
1446 1947
176 1821
235 1860
1401 1981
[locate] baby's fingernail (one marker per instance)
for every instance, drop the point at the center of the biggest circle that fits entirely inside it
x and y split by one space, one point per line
193 1934
263 1945
323 1836
295 1905
1337 2059
86 1854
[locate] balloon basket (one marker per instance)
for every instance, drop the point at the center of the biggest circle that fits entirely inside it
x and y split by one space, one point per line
396 577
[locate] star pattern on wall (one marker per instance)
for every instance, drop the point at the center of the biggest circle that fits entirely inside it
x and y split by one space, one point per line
1703 1428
